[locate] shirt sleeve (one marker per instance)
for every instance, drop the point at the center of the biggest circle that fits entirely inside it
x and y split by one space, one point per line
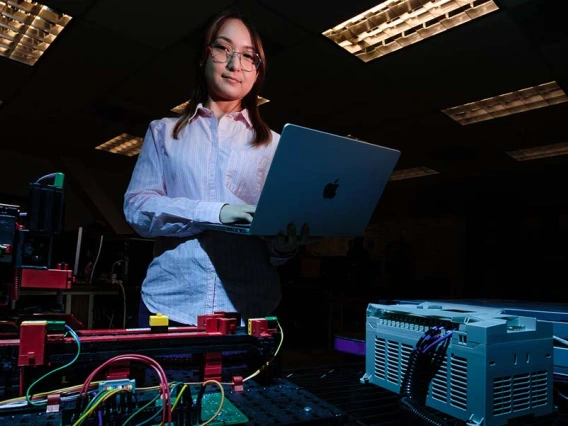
147 207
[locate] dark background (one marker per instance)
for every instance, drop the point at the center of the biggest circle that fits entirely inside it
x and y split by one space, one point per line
485 226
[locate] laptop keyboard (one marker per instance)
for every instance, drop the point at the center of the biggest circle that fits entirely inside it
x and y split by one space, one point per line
241 225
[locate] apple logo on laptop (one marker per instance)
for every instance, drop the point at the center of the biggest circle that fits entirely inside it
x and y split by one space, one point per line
330 190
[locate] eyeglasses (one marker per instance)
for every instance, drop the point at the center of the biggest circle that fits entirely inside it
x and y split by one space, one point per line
221 52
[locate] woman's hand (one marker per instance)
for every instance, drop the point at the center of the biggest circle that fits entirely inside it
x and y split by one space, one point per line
231 213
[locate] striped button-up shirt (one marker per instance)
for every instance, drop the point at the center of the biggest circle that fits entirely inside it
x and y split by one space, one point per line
178 181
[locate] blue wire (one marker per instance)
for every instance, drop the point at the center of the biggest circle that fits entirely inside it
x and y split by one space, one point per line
437 341
426 337
160 411
51 175
28 396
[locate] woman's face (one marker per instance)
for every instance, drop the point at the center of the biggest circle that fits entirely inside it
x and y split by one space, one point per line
227 81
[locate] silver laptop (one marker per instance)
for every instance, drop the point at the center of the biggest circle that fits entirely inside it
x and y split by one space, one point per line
332 183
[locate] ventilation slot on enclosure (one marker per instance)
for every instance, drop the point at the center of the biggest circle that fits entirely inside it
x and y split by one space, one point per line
458 382
519 393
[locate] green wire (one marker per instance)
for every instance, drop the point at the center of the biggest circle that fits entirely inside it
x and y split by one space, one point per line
147 405
141 409
97 397
100 396
28 396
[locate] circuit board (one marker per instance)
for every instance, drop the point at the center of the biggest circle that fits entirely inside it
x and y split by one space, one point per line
229 415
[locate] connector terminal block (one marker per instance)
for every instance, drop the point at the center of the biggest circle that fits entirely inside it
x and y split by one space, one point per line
159 323
159 320
127 384
56 326
262 327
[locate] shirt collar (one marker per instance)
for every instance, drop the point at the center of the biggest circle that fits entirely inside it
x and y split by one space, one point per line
239 115
242 115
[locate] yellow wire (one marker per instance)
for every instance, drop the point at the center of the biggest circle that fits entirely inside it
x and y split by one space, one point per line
172 385
178 397
149 388
95 406
220 384
90 411
266 364
215 382
39 395
71 389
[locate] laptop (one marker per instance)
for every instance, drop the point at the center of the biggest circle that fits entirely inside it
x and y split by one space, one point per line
332 183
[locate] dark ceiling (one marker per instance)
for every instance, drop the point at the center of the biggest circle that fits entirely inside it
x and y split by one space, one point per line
121 63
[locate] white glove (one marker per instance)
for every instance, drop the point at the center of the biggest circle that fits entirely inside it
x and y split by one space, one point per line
231 213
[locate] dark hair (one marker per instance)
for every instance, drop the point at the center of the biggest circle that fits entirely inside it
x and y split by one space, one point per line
262 133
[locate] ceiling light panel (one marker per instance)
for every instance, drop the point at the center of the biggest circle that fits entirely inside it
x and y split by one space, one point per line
413 173
262 101
395 24
540 152
179 109
27 29
124 144
523 100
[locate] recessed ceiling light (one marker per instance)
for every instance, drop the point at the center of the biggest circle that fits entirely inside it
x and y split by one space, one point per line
124 144
540 152
179 109
523 100
395 24
261 101
27 29
412 173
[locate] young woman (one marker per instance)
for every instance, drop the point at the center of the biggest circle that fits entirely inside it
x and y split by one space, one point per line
210 165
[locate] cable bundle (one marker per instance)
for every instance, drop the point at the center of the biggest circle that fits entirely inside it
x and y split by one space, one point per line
164 387
90 397
29 396
425 359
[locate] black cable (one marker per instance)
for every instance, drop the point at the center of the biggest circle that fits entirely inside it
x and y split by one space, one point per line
198 404
414 390
423 363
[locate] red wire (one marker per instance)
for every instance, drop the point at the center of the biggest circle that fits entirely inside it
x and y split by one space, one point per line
135 357
164 385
